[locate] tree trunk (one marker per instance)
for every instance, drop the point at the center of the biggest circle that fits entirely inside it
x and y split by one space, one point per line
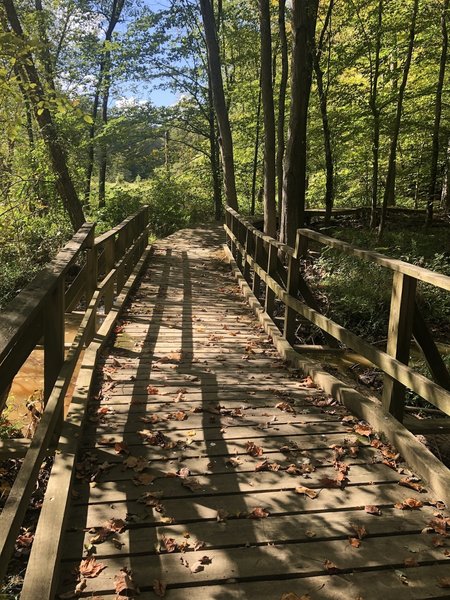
270 217
373 102
281 101
389 192
445 193
432 192
220 107
90 164
323 100
44 119
304 16
116 11
214 156
256 151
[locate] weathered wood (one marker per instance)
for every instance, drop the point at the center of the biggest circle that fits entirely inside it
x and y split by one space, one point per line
40 579
399 339
424 339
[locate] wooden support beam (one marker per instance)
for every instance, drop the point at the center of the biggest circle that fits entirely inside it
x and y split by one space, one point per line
399 339
425 341
272 259
290 315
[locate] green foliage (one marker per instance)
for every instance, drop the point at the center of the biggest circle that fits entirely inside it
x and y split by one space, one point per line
359 292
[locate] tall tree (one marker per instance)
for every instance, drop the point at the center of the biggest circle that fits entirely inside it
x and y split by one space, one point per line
281 100
105 86
323 100
389 192
432 191
226 139
39 102
375 109
270 218
304 17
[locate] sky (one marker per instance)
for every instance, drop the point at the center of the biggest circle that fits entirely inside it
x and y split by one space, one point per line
158 97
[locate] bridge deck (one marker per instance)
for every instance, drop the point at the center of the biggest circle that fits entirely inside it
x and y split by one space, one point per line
232 475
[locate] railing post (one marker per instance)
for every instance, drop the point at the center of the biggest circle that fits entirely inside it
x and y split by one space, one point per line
256 258
271 270
399 339
109 254
54 338
91 286
293 277
246 265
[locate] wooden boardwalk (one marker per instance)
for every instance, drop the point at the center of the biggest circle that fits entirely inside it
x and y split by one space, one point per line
213 470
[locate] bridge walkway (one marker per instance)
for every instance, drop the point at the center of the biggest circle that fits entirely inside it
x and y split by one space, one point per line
212 469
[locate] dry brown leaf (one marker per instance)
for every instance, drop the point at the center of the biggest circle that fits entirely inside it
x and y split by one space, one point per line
152 391
89 567
354 542
372 509
409 503
168 544
199 564
144 479
306 492
410 562
364 430
444 582
330 566
222 515
360 531
121 448
410 483
124 585
258 513
159 587
253 449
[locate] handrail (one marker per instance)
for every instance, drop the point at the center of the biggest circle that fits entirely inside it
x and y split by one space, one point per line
261 265
27 322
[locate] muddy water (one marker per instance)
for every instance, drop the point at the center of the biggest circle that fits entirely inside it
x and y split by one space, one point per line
29 381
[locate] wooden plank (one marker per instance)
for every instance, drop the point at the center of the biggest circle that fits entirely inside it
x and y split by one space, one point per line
241 532
370 585
399 339
272 561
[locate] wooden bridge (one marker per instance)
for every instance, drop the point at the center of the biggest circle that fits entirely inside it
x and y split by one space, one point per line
203 455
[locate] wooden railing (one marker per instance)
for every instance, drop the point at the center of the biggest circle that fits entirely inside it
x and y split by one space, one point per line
38 313
263 259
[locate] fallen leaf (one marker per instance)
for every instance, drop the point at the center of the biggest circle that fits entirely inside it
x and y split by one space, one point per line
222 515
89 567
253 449
124 584
330 566
444 582
360 531
355 542
258 513
364 430
144 479
409 503
159 587
410 483
168 544
121 448
410 562
306 491
199 564
192 484
152 391
372 510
